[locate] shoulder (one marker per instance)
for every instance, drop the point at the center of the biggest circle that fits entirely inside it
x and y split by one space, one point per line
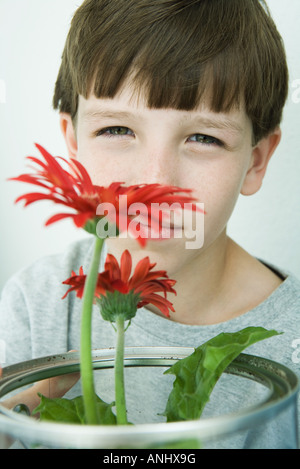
288 292
47 272
281 311
282 307
72 258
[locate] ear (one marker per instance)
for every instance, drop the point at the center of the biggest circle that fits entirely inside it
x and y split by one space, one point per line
260 158
69 133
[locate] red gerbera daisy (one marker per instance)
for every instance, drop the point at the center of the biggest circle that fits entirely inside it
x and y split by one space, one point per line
76 191
119 293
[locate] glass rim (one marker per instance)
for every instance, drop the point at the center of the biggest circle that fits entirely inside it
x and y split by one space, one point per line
283 385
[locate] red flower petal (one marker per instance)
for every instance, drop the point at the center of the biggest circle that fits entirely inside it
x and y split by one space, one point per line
140 272
74 189
126 265
146 284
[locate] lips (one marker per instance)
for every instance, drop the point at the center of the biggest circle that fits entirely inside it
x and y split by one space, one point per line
140 226
164 219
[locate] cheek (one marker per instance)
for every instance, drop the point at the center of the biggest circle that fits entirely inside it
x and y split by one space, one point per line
218 188
102 169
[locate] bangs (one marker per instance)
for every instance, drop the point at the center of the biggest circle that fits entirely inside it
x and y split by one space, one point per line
216 82
175 62
177 53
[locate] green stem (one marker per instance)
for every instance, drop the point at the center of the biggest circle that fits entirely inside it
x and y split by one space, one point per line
119 373
86 361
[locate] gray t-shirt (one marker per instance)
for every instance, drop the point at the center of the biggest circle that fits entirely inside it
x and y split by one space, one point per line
35 322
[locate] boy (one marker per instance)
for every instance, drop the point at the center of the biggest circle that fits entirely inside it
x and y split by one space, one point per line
185 93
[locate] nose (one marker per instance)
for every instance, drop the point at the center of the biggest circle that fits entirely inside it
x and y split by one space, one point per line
160 166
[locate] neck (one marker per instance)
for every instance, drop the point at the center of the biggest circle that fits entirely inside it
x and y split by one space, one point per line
200 285
198 279
215 284
222 283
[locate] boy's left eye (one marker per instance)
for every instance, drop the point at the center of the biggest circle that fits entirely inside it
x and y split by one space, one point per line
205 139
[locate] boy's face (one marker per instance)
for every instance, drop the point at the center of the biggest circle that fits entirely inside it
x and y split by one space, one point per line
121 140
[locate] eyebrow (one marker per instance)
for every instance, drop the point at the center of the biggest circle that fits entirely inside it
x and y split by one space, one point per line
91 115
208 122
218 123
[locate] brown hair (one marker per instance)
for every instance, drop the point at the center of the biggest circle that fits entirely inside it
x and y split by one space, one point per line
177 50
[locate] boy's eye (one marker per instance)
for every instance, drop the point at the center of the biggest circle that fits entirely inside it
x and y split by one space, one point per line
205 139
115 131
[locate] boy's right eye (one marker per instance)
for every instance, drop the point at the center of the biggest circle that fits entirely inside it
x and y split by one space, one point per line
115 131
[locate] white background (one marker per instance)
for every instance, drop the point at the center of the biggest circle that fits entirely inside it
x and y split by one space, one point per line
32 36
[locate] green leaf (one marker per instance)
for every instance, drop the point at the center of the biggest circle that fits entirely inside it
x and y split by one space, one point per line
197 374
72 410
